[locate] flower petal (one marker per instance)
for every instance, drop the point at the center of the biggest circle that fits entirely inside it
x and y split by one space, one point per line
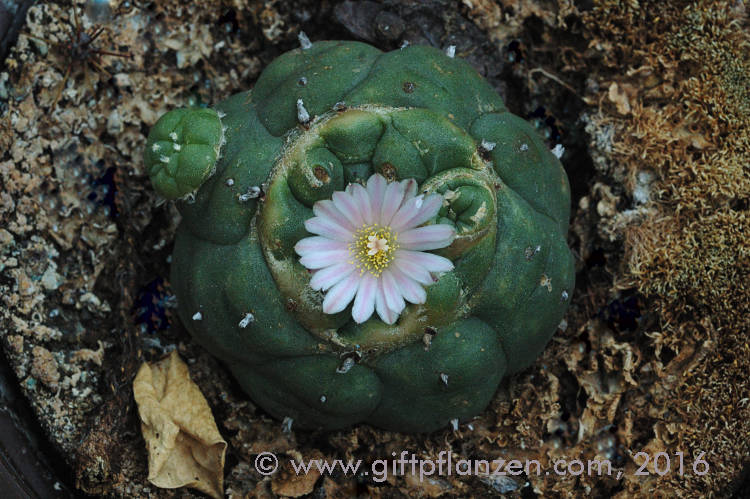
326 209
392 198
328 228
364 302
320 259
427 238
412 270
376 185
362 198
410 189
410 289
386 315
416 212
421 260
341 294
326 277
393 298
347 205
317 243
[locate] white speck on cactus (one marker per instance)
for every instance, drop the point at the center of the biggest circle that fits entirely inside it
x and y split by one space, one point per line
164 159
454 424
247 320
173 135
564 295
230 182
286 425
197 316
558 151
530 252
176 146
252 193
346 366
444 378
322 399
155 147
302 115
220 114
487 145
304 41
384 262
524 147
404 45
546 282
450 195
480 213
450 51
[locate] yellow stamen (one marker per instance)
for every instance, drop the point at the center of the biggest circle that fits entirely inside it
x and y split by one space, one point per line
373 248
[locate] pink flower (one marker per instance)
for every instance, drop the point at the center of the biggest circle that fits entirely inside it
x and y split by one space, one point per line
370 248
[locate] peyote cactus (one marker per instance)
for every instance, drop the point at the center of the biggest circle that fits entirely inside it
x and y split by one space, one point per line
366 236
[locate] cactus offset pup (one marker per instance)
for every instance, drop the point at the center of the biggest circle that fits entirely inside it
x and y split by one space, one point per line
366 236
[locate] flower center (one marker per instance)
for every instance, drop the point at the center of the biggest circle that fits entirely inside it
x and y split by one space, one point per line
373 248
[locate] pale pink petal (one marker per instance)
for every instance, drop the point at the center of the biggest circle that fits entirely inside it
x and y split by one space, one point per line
392 198
327 228
364 302
326 277
412 270
410 189
376 185
393 298
362 198
426 261
427 238
405 213
317 243
416 212
386 315
321 259
346 204
410 289
339 296
326 209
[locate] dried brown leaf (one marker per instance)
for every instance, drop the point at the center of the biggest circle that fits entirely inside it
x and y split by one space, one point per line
185 448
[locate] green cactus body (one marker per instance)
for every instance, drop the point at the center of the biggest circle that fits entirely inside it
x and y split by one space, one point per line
249 174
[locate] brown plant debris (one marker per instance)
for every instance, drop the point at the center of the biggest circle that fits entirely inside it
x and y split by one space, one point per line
185 448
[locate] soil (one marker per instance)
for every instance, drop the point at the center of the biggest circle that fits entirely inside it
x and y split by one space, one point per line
644 361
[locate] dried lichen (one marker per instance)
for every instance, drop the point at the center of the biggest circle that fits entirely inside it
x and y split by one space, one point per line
686 120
